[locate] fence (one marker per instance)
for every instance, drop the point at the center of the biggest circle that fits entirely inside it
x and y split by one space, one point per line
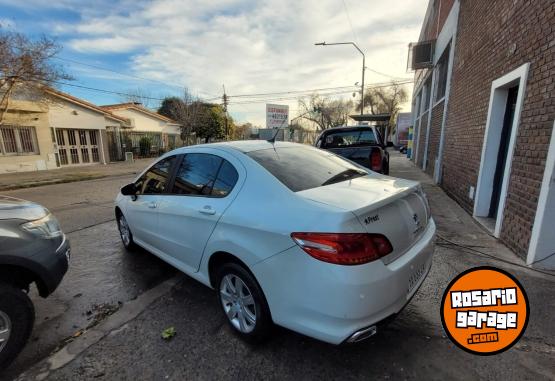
151 144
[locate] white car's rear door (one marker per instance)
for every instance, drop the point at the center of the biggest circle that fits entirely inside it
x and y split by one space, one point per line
201 192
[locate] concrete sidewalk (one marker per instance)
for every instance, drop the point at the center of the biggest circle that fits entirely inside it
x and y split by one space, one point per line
17 180
413 346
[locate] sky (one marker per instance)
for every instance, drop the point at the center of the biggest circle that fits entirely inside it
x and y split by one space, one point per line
160 47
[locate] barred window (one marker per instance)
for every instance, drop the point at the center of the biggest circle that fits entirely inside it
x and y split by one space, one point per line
18 140
83 137
92 136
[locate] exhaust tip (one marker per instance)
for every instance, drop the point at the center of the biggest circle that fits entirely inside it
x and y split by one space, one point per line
362 334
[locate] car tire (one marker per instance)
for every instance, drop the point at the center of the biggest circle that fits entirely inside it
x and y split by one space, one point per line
17 316
246 303
125 232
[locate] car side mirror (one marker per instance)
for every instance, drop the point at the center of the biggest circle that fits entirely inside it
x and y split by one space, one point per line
130 190
389 144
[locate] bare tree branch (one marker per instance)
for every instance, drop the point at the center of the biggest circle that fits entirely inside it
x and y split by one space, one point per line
26 67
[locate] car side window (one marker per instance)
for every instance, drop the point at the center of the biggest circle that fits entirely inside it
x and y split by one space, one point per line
227 177
202 174
196 174
155 179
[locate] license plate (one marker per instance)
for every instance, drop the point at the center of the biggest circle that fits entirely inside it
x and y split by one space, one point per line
415 277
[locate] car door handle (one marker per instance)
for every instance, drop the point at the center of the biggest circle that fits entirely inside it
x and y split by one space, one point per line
152 205
207 210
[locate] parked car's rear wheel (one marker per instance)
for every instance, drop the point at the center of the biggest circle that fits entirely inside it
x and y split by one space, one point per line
243 303
17 317
125 232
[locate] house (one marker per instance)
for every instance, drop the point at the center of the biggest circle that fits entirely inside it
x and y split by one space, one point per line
162 133
53 130
483 114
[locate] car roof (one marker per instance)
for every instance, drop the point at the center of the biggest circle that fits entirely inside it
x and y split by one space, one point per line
348 128
244 145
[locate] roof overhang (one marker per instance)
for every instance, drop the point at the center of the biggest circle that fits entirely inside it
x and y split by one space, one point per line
384 118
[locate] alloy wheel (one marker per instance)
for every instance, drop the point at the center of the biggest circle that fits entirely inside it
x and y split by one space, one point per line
238 303
5 329
124 231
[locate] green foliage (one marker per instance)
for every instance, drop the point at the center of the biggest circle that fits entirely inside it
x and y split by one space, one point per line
144 145
168 333
170 107
213 126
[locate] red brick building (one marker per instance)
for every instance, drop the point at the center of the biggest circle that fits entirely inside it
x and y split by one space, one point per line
483 112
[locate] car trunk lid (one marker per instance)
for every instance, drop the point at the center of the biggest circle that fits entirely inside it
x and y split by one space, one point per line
394 207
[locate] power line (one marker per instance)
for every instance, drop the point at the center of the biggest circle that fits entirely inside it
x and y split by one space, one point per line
129 75
301 95
117 72
349 19
290 92
105 91
278 96
309 91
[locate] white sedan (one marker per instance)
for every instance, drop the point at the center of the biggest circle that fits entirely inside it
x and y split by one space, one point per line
287 234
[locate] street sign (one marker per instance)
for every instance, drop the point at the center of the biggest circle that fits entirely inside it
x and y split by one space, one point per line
277 116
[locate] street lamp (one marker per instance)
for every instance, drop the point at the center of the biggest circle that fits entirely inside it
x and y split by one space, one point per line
363 66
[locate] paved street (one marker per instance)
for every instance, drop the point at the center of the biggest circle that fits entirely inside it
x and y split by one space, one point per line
101 276
413 346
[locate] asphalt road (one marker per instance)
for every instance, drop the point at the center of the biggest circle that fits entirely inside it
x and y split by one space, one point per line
102 274
413 346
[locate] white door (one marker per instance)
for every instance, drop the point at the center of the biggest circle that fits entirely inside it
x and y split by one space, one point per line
542 243
142 214
202 191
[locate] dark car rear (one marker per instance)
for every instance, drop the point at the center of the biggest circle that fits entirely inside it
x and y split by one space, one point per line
361 144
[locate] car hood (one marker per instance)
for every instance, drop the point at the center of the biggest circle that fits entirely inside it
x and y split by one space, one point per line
15 208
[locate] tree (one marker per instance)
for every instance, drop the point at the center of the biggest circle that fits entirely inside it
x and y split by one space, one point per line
385 100
26 67
242 131
214 123
206 120
325 112
139 95
170 106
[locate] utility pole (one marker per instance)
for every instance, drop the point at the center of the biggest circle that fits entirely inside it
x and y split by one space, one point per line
224 99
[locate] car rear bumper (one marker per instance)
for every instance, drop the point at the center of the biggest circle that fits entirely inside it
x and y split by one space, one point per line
332 302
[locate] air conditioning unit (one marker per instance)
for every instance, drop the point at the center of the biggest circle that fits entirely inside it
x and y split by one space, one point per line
421 54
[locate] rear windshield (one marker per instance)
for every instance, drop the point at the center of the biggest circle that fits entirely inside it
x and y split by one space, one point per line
354 138
305 168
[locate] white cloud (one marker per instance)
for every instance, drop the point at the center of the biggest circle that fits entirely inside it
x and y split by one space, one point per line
250 46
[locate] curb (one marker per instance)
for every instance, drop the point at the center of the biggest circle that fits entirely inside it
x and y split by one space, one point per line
40 183
129 311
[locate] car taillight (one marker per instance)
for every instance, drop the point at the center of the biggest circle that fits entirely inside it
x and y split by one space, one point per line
344 248
376 160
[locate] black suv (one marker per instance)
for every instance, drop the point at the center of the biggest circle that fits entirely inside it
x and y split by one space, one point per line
362 144
33 249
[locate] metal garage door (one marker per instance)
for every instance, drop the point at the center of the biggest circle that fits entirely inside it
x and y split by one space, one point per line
77 146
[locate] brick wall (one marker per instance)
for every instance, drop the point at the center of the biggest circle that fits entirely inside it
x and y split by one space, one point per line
495 37
422 139
438 17
433 140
